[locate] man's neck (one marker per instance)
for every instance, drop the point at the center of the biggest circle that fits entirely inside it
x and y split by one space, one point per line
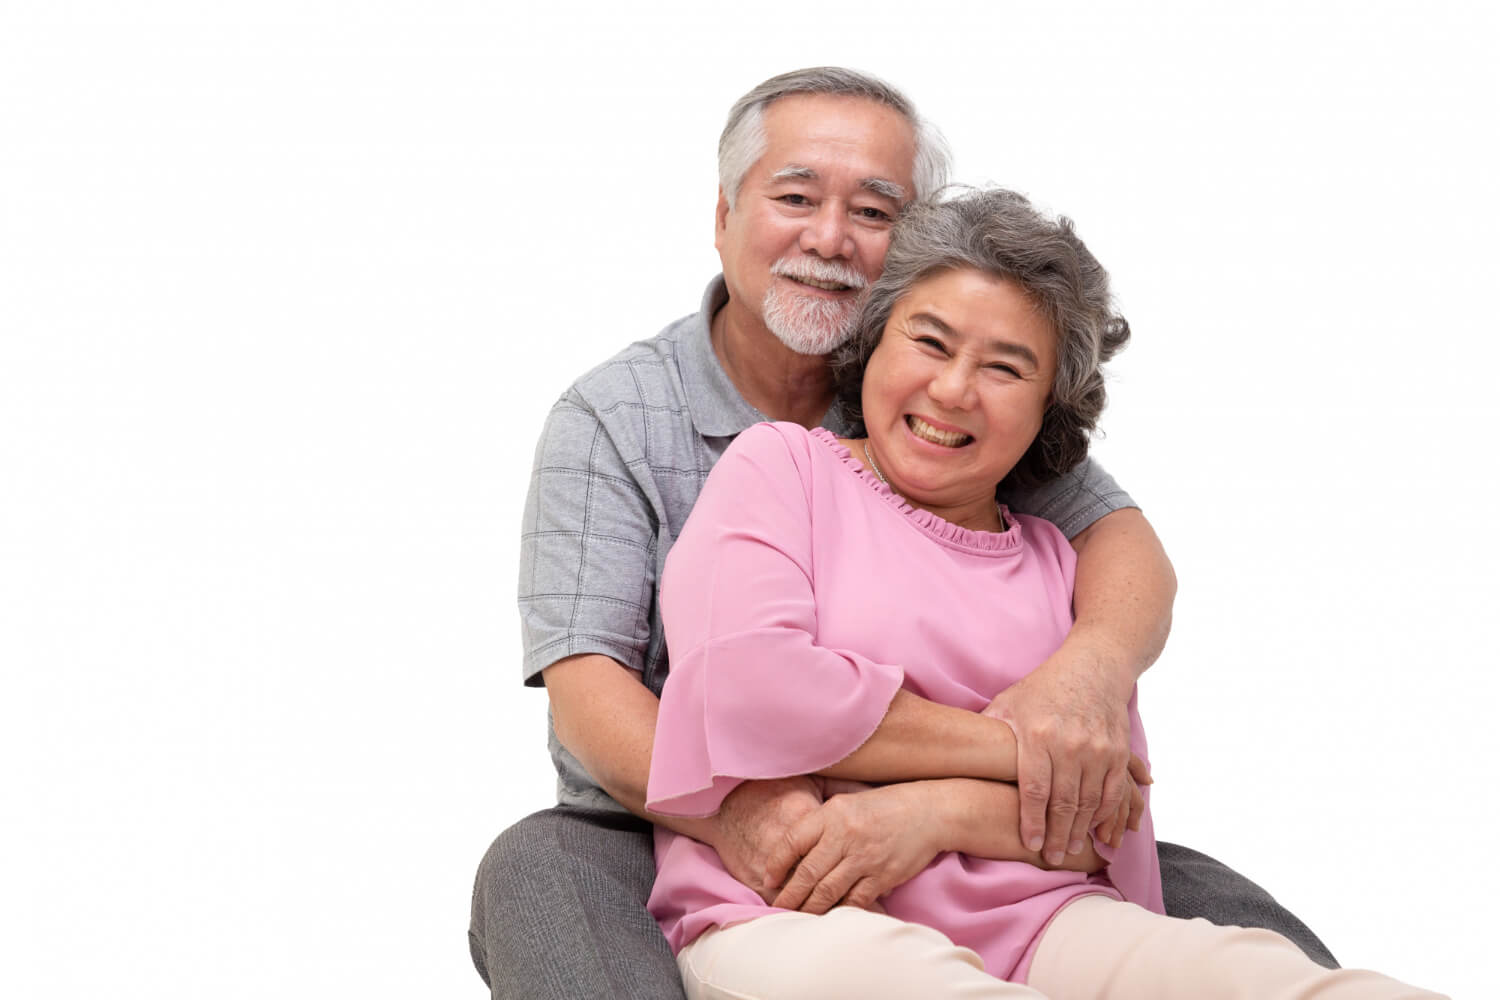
773 378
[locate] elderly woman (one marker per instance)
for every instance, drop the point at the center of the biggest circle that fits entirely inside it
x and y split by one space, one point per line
826 593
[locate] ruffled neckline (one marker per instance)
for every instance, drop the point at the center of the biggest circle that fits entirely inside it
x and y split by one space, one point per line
946 532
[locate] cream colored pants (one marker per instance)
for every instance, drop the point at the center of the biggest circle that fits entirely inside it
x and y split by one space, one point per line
1097 947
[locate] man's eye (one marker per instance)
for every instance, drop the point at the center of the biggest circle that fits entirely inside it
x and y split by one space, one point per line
874 215
795 199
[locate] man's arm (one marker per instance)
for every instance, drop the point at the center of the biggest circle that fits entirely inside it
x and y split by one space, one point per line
856 847
1069 715
590 535
606 718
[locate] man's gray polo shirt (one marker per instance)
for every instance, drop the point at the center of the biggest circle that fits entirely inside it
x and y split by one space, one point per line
621 460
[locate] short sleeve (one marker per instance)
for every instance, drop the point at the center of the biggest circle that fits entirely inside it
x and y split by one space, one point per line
752 694
588 547
1074 500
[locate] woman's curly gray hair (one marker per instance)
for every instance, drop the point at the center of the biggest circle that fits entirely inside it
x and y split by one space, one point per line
999 233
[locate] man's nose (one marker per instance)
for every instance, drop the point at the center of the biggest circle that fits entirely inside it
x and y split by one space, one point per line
827 232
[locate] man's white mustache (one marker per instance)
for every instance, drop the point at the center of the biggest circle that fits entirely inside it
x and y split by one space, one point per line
804 268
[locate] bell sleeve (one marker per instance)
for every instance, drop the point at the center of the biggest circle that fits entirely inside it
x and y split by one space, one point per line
751 693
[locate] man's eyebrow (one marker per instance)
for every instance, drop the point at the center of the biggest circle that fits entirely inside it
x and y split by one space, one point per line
884 188
998 346
876 185
795 172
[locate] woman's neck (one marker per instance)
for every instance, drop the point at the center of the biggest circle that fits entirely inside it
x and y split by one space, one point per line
978 514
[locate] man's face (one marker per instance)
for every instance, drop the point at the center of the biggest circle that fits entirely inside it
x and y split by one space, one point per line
812 220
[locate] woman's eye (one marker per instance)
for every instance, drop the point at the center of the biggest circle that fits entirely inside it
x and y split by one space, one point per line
933 343
1005 370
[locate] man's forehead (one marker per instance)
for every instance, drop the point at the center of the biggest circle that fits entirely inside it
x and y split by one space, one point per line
843 128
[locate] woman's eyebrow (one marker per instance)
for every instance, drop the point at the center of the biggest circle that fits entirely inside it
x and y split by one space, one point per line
993 344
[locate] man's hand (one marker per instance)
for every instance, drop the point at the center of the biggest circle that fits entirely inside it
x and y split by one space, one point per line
856 848
753 828
1073 737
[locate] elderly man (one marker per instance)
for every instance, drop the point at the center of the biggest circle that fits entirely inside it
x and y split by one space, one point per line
814 166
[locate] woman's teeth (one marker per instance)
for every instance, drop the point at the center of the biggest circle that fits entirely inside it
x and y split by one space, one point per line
927 432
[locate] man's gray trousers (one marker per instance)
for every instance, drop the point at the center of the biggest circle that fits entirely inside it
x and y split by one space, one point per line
559 909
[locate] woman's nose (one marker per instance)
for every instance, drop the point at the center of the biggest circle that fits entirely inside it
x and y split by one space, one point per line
953 385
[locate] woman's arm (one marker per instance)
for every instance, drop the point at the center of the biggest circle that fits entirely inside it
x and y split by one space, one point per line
860 845
920 739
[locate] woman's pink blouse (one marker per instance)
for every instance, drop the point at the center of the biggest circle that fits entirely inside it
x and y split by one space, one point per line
800 596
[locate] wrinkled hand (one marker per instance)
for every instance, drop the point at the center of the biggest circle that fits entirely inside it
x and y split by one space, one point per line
1132 807
753 824
856 848
1073 742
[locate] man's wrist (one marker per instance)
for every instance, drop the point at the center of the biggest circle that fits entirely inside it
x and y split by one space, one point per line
1104 664
704 829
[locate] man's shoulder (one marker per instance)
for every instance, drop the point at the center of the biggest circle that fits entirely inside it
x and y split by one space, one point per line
647 372
638 402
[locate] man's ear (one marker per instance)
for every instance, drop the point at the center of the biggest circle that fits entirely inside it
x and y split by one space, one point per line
721 219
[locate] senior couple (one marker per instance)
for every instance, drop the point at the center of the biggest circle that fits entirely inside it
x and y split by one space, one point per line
898 754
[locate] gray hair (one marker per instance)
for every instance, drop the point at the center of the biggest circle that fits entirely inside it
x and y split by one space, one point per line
999 233
743 140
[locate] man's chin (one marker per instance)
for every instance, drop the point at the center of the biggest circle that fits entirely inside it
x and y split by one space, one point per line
813 335
813 343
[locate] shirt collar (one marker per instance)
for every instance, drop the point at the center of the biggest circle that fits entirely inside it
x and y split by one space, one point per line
716 406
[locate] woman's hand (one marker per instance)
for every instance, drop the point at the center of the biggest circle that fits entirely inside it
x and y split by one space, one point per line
856 848
753 826
1131 808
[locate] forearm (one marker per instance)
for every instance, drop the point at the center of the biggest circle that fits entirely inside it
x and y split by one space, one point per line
980 818
1122 600
920 739
606 718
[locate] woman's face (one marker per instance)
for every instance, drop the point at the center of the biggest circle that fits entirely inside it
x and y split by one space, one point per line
955 391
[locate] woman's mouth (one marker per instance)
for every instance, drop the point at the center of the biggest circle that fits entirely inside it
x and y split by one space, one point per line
927 432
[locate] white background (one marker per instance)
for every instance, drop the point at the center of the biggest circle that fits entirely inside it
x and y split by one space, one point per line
287 288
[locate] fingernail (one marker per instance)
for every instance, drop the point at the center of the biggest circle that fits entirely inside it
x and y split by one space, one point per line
1055 858
1074 847
1034 844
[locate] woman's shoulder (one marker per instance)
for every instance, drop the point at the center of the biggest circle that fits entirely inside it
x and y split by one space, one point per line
771 450
784 452
781 440
768 432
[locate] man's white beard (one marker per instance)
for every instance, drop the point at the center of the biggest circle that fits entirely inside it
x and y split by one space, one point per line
805 323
